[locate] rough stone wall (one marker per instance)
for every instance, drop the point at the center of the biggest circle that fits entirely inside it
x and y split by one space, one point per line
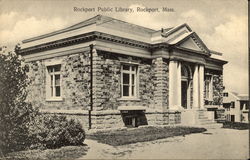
111 121
75 83
164 118
107 81
153 82
160 80
114 120
75 74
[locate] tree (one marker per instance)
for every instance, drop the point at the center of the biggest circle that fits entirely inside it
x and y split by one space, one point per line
15 112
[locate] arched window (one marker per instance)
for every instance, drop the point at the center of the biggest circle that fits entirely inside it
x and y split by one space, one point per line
184 72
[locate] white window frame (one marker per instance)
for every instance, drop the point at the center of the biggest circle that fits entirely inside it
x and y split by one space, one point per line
136 81
49 95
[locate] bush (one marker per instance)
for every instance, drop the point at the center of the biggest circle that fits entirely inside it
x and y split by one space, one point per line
54 131
15 112
236 125
20 125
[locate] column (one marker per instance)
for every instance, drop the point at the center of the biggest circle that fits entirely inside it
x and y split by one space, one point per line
211 90
189 96
201 85
196 88
172 84
178 87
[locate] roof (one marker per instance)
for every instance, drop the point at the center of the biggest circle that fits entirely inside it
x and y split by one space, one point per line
104 27
99 19
240 97
243 97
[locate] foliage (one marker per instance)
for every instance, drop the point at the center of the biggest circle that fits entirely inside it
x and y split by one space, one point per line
21 126
15 112
54 131
236 125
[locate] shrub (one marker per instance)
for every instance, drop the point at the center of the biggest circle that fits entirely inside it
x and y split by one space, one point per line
54 131
15 112
236 125
20 125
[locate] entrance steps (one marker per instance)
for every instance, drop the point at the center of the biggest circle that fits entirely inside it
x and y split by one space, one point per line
210 126
199 118
204 121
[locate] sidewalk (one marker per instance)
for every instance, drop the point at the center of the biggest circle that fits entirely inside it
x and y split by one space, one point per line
216 143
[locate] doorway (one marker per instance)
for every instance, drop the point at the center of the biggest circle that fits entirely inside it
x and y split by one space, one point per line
184 87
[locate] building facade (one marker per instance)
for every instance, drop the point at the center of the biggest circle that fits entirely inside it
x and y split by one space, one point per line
236 107
110 73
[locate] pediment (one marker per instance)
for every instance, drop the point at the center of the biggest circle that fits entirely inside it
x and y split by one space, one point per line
182 36
191 44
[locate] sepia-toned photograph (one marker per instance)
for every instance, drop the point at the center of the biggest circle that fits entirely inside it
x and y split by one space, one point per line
114 79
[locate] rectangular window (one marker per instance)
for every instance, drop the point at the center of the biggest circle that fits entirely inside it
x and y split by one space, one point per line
232 105
208 88
232 118
129 81
54 81
225 94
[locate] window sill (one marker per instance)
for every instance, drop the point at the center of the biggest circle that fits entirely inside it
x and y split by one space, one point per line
59 99
129 99
209 100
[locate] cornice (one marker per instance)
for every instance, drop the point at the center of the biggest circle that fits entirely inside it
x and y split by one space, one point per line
121 40
58 43
213 60
91 36
80 39
190 51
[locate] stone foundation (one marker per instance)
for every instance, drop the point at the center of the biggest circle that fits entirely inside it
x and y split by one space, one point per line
163 118
113 118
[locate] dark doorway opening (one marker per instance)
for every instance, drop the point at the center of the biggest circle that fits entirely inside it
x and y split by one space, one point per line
184 88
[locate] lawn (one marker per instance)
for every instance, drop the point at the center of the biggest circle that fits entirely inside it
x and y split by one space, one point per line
142 134
68 152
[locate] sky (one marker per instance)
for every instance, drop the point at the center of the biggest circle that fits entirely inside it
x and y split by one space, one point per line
221 24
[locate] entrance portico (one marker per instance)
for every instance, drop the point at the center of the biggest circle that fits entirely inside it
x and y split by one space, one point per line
182 77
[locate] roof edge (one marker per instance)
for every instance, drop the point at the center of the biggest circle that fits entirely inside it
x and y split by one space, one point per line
72 27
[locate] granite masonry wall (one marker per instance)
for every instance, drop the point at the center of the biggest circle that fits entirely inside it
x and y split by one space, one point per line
153 90
153 82
75 75
160 78
74 85
107 81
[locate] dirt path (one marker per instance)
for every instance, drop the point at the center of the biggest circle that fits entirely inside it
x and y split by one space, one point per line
213 144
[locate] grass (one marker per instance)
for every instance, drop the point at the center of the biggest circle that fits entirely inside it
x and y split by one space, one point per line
128 136
68 152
